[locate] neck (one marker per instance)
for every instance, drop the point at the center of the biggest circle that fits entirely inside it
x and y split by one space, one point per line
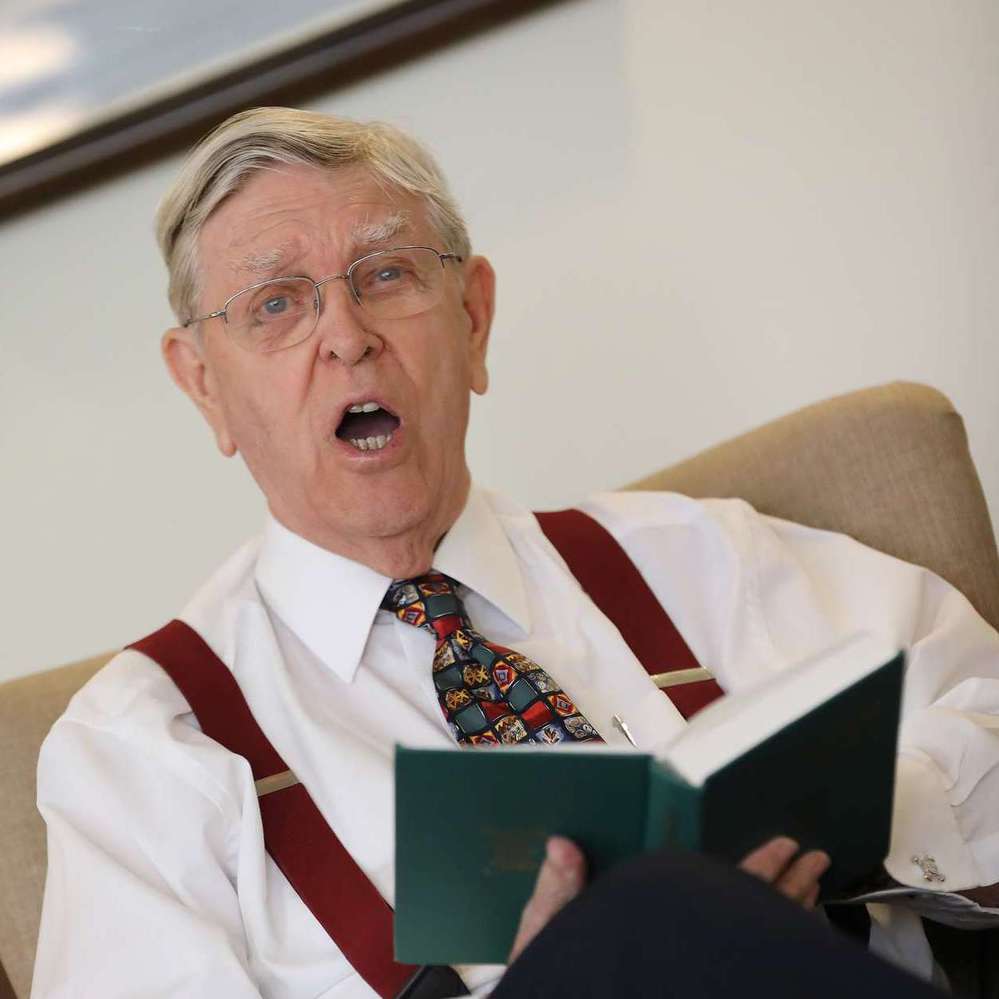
400 555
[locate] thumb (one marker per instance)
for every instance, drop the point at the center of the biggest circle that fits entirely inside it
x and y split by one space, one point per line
560 879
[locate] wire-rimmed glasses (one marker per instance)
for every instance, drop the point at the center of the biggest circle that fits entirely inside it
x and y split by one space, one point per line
282 312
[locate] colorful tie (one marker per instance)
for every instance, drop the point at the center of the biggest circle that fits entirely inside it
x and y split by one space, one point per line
489 694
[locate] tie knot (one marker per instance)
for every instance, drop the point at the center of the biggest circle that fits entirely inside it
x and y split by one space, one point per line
430 601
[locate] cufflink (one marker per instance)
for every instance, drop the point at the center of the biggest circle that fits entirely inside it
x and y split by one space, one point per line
928 866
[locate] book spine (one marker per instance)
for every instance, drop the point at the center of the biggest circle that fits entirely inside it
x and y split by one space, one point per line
674 811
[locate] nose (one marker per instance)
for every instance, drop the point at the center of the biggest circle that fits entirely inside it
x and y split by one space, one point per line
343 329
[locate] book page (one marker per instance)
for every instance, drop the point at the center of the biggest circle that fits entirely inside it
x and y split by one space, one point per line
735 723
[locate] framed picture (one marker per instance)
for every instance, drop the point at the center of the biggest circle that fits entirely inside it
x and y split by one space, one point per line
91 87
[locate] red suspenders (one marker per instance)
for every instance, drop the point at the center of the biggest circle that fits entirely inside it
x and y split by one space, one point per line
297 837
613 583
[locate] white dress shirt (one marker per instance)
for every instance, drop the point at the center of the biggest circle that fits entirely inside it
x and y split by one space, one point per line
158 881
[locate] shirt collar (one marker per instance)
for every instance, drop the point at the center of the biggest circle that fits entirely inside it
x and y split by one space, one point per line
477 552
330 602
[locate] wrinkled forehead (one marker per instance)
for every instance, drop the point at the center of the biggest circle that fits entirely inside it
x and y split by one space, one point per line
300 218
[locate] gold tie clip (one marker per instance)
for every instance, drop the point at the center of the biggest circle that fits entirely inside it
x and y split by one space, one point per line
276 782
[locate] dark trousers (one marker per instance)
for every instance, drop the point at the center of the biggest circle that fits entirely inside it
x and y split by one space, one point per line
681 925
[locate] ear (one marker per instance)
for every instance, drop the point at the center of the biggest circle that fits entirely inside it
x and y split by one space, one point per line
479 299
193 374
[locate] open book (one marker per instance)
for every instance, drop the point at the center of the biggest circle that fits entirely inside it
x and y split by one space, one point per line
809 752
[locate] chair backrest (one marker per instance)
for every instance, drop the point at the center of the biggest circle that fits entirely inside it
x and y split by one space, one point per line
889 466
28 708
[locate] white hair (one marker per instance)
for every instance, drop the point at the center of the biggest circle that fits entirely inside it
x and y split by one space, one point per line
258 139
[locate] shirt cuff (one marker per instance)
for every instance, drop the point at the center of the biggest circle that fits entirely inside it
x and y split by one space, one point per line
925 836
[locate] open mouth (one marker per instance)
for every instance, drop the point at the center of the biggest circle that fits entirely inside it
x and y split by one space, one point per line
367 426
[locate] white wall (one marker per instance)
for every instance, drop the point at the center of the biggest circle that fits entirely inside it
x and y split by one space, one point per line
702 215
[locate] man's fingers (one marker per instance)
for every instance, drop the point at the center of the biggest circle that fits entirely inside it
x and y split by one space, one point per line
800 882
769 861
560 879
798 879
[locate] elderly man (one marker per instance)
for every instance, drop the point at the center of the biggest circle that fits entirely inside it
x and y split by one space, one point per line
333 322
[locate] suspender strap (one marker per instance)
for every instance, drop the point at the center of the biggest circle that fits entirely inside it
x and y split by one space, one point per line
613 583
296 835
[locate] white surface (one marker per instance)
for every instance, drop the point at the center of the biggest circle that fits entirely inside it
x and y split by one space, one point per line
752 595
702 216
730 727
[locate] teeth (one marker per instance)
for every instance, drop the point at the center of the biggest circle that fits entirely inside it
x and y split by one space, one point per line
364 407
371 443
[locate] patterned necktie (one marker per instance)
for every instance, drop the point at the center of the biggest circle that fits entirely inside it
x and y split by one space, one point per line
489 694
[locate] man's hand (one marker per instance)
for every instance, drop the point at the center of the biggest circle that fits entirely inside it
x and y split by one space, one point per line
562 877
797 878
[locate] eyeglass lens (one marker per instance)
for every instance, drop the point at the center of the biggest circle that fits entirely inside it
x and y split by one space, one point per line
391 284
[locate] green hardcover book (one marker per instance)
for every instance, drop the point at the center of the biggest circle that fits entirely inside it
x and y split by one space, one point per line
808 752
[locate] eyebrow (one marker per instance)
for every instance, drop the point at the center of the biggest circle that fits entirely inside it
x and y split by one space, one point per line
367 234
266 262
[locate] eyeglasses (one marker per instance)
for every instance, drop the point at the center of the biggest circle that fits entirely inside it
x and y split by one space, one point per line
282 312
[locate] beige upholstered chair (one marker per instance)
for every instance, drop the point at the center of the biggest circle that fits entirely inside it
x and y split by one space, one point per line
888 465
